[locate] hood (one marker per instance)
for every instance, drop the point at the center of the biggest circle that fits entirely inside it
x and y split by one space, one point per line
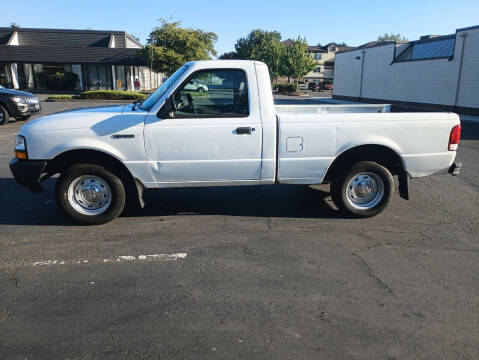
12 92
76 119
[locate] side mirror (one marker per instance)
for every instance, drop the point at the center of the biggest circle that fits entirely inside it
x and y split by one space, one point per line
168 109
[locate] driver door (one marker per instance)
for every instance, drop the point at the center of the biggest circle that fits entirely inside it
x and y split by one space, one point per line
212 136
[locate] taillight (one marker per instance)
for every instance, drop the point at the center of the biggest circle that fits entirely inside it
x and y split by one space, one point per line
454 138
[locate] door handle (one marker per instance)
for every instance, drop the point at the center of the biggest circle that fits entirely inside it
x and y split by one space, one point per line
244 130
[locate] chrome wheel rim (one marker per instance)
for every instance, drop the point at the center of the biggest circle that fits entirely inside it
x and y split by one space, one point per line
365 190
89 195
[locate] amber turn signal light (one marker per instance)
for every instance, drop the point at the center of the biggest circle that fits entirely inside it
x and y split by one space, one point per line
21 155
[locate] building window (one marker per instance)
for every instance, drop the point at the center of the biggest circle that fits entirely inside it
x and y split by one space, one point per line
97 77
317 56
6 76
430 49
121 73
318 69
31 75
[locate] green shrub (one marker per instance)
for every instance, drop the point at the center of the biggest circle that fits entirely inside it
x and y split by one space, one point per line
62 97
112 95
285 87
56 81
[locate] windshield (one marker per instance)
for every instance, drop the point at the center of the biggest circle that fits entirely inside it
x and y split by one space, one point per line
153 98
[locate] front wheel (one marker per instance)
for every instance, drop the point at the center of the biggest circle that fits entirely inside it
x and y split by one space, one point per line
3 116
90 193
201 90
363 189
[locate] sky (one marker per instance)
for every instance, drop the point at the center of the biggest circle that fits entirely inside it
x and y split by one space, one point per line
354 22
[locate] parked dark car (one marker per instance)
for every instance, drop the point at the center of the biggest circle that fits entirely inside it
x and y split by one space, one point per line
328 87
18 104
314 87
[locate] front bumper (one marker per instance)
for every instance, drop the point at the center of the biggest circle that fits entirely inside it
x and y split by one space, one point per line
24 109
27 173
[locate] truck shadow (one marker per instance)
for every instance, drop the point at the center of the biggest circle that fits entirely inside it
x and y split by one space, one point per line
20 207
288 201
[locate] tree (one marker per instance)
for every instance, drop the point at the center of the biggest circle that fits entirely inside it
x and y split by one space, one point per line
391 37
342 44
14 25
170 45
135 37
297 62
229 56
264 46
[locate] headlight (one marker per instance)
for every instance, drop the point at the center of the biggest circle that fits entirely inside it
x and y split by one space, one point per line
20 147
16 99
20 143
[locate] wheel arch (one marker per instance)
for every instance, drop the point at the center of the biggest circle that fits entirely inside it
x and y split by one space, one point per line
4 105
382 154
134 188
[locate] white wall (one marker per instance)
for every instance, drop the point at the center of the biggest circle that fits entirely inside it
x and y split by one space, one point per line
347 73
469 86
131 44
428 81
13 39
15 81
149 81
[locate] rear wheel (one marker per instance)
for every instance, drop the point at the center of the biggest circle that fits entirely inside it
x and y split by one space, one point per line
90 193
4 116
201 90
362 190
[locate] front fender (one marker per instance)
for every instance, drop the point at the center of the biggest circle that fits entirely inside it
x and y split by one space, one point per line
84 144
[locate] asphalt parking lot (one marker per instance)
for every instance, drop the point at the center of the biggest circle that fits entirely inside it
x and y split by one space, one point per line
243 273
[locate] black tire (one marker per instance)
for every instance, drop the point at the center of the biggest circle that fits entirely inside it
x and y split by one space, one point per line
115 185
347 203
4 116
201 90
23 118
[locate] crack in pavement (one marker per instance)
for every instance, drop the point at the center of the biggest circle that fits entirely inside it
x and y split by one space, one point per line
13 277
376 278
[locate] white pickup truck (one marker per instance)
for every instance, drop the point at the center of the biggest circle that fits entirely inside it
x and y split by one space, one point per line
232 134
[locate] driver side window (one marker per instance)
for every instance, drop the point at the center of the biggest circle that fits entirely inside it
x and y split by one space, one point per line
213 93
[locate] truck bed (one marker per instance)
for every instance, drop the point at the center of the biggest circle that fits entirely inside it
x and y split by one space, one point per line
333 108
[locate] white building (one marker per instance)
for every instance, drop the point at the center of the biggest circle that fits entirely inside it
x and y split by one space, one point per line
436 72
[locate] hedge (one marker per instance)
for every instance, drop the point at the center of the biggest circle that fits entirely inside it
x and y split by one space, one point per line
285 87
62 97
112 95
196 93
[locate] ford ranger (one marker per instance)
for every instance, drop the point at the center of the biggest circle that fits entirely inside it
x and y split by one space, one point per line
233 134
